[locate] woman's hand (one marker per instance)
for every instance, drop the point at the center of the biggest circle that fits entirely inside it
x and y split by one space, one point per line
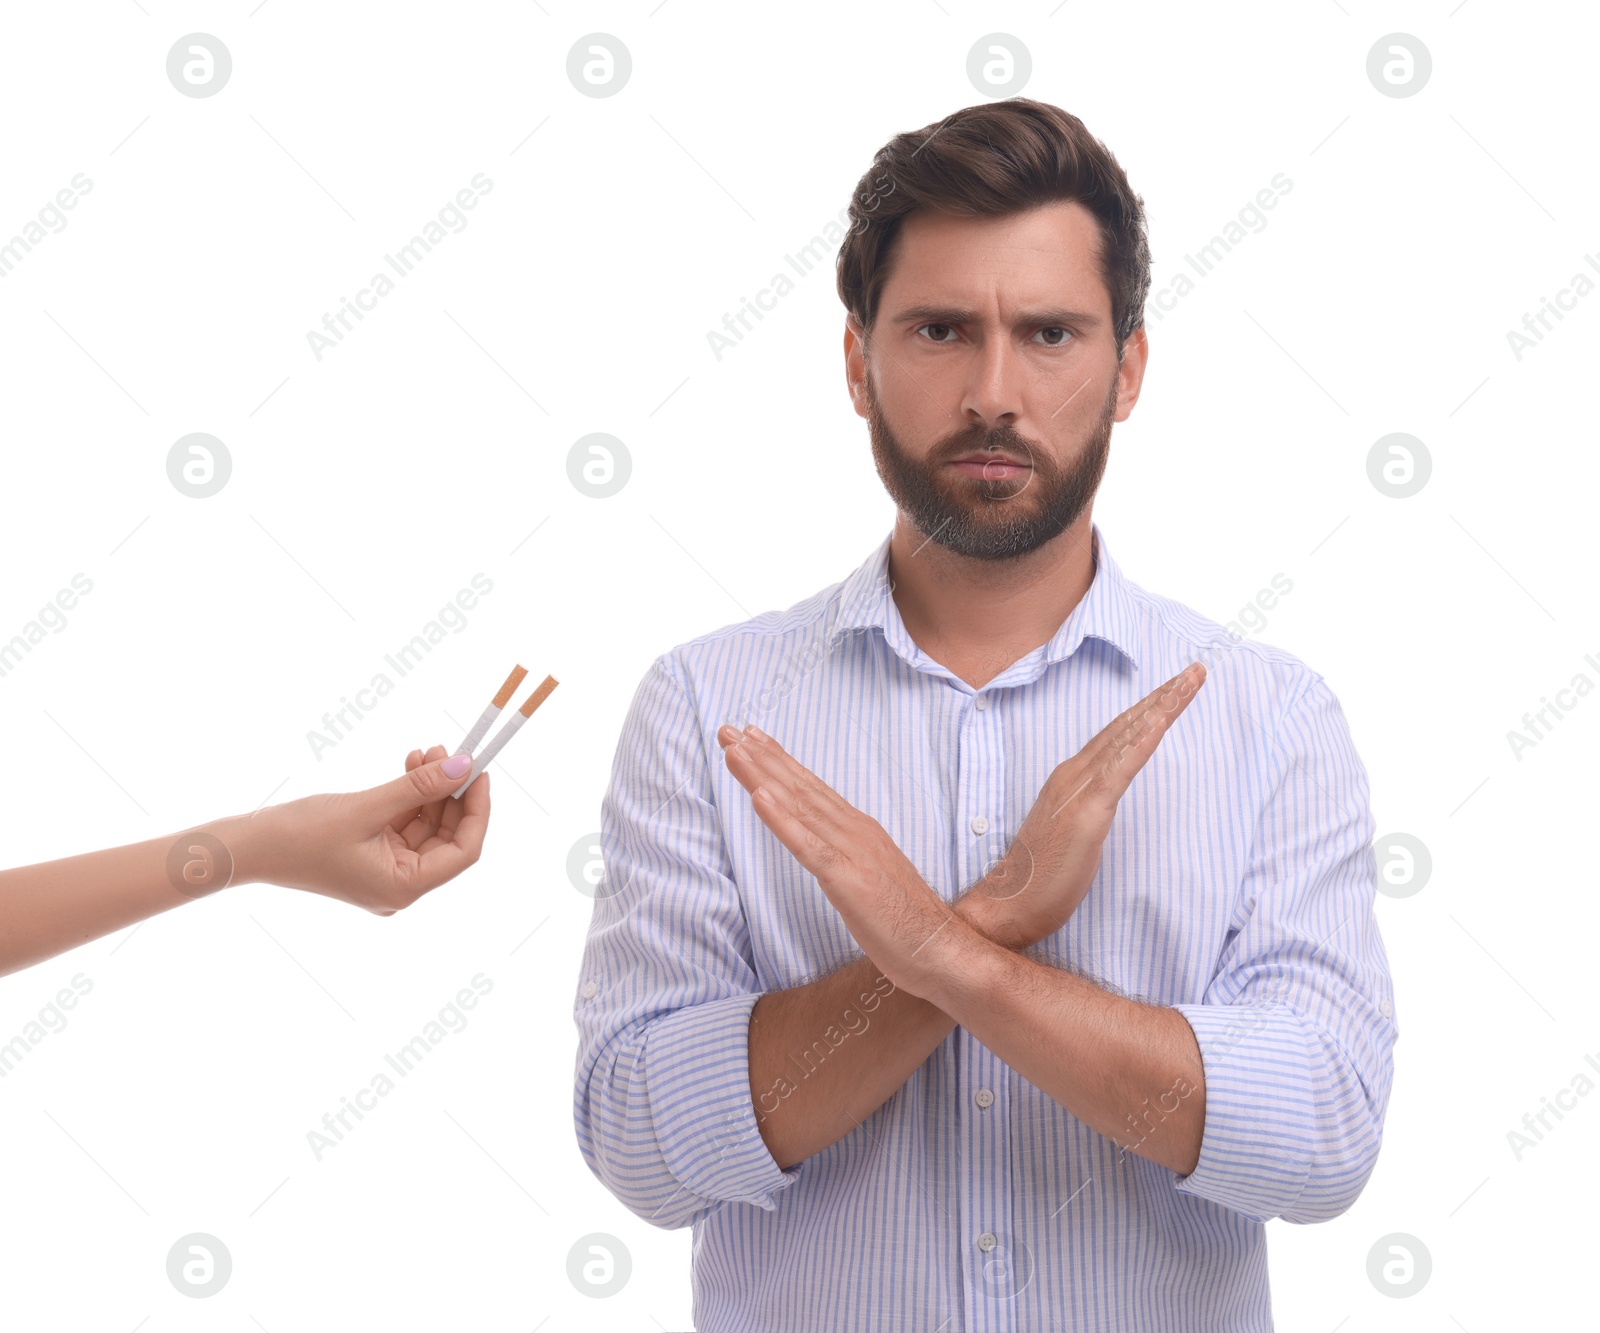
382 848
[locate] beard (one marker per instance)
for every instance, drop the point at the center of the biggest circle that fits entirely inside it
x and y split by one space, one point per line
983 518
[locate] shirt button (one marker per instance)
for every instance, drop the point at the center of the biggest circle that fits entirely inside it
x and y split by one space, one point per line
980 825
984 1098
590 990
1385 1006
987 1242
981 703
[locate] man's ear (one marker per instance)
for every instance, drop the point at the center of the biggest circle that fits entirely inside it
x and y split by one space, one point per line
855 363
1130 374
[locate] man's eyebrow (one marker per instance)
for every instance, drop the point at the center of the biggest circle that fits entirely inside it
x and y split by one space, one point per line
1044 318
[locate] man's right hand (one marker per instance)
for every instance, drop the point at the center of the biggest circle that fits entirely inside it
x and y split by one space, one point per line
1047 870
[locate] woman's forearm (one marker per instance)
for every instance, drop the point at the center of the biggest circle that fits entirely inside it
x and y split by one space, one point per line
48 908
379 849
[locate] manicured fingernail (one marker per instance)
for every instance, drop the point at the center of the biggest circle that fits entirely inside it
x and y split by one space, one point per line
757 732
456 765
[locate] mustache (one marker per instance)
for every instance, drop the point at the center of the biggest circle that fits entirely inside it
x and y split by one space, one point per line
979 439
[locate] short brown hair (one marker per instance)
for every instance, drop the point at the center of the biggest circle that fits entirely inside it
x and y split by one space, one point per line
990 160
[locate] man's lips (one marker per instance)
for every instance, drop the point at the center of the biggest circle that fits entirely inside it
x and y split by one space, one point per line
992 467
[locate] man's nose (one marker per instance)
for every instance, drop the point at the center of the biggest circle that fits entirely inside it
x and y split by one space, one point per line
993 393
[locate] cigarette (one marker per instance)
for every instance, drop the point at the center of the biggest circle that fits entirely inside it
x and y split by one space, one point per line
480 728
498 740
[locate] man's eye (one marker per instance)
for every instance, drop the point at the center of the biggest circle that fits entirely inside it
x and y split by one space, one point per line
945 327
1054 342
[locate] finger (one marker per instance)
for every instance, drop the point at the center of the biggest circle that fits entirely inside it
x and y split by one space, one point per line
747 761
799 777
1165 703
399 822
804 800
810 850
761 761
423 788
752 769
782 772
1170 697
1108 764
427 818
1125 751
444 857
474 802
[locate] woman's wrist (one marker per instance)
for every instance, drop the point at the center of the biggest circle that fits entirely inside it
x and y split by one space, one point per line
236 849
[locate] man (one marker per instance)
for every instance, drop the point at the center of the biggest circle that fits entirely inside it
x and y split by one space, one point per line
921 982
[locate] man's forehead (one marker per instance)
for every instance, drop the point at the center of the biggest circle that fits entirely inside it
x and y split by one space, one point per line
1045 254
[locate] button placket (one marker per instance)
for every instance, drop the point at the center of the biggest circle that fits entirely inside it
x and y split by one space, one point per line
985 1154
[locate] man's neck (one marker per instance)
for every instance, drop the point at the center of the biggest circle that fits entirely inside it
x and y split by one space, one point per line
977 617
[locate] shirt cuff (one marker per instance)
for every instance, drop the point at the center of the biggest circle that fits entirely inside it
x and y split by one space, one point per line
1257 1147
697 1077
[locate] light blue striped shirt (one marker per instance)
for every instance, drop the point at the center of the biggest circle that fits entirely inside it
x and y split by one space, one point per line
1236 886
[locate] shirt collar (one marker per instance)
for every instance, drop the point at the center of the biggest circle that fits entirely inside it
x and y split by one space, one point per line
1108 611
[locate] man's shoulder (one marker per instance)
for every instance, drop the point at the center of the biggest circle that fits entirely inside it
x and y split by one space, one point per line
1236 658
772 636
1259 695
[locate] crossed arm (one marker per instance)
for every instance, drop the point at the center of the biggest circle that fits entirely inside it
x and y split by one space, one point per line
1103 1057
1267 1094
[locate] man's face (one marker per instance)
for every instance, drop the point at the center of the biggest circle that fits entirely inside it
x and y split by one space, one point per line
991 381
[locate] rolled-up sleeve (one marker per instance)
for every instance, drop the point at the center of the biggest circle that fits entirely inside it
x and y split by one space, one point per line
662 1102
1297 1026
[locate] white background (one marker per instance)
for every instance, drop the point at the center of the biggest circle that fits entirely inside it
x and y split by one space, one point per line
431 445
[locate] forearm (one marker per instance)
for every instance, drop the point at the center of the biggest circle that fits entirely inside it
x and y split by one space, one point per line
1131 1071
824 1056
48 908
